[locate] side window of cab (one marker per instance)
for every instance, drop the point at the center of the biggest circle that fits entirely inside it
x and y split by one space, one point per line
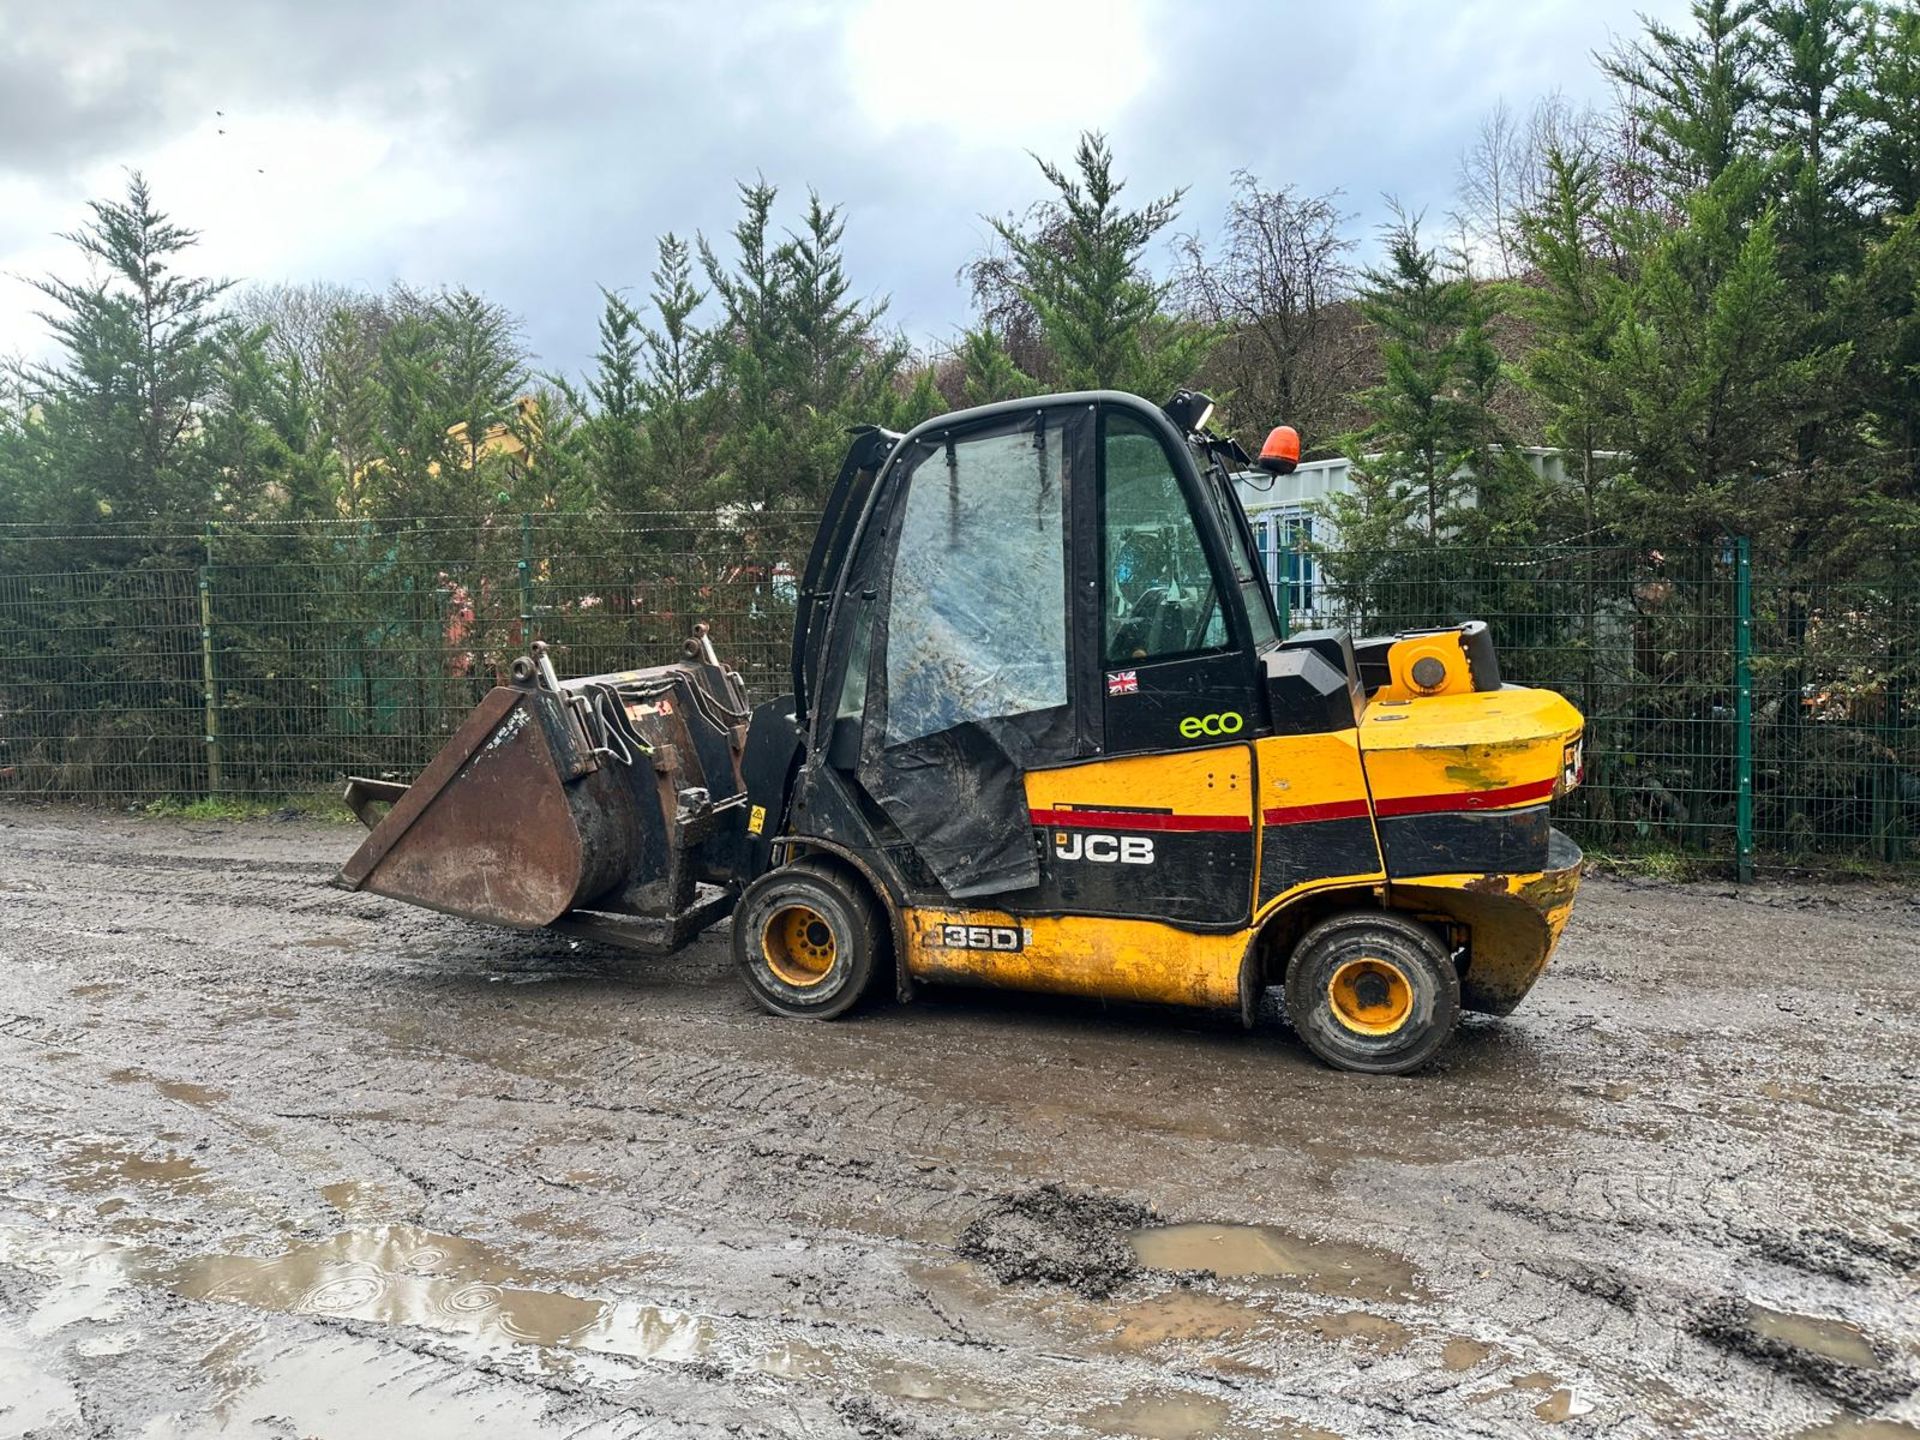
1161 598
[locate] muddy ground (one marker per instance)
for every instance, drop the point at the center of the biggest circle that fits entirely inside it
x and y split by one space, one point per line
281 1161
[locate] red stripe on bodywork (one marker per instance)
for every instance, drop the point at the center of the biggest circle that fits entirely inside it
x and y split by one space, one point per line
1305 814
1137 820
1470 800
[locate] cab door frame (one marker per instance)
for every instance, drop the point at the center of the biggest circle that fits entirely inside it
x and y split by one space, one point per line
1143 787
1147 712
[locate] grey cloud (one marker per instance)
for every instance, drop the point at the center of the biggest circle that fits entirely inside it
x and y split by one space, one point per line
590 126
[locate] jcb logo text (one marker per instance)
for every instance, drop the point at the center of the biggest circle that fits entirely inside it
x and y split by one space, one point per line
1230 723
1104 849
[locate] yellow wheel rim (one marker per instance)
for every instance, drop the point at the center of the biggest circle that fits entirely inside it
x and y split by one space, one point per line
1370 997
798 945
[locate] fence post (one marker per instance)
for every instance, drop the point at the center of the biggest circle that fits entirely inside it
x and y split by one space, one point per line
526 579
1743 706
209 680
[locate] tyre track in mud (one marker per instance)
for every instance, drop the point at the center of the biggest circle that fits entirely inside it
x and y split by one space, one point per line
1576 1187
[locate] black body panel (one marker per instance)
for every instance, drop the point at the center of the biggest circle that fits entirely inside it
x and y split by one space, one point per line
1457 842
1203 879
1313 684
1211 691
774 747
1294 854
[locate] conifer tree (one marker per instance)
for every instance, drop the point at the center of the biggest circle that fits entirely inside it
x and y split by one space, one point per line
139 352
1080 265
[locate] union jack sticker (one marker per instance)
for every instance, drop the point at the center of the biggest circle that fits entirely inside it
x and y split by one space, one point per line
1123 682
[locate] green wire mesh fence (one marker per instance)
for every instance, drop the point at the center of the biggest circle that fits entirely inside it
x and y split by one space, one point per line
1737 707
1765 714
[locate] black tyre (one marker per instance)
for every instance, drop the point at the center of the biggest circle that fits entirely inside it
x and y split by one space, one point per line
1372 991
808 938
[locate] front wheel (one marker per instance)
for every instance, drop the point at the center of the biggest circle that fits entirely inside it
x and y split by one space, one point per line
1372 991
807 939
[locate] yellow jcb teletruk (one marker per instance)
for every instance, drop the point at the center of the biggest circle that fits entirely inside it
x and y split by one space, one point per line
1044 733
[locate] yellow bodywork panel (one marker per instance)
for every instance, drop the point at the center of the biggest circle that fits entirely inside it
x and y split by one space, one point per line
1484 750
1316 827
1312 809
1514 922
1215 781
1077 955
1309 772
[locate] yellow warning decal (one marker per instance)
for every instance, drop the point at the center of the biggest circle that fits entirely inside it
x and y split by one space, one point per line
757 820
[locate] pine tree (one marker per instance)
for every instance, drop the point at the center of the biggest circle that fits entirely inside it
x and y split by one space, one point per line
1885 101
1691 93
481 373
1716 374
752 454
140 353
1576 306
1079 264
1434 437
347 400
987 369
675 384
613 433
1813 47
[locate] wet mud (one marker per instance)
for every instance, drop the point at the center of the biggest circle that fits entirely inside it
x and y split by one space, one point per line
281 1161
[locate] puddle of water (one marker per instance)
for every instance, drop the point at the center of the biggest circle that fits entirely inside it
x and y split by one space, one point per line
915 1382
96 1165
1833 1339
185 1091
342 1195
1328 1267
1160 1417
1461 1354
1852 1427
397 1275
559 1224
366 1200
1185 1315
1538 1380
1561 1405
393 1274
327 942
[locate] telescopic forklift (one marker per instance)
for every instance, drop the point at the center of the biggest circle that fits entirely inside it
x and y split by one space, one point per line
1045 732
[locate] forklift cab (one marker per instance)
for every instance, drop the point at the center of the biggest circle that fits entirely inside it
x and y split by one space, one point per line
1039 587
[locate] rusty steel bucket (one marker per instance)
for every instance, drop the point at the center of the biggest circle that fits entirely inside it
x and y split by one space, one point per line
610 806
514 822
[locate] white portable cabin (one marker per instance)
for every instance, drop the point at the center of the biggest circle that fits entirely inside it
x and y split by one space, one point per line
1287 514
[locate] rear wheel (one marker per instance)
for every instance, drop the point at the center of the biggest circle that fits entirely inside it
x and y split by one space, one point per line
1372 991
807 939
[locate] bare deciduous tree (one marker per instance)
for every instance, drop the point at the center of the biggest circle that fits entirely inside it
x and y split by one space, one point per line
1503 176
1267 283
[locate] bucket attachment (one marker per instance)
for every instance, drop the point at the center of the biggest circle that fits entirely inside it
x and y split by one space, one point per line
598 806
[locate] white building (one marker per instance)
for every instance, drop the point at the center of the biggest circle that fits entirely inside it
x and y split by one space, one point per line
1285 511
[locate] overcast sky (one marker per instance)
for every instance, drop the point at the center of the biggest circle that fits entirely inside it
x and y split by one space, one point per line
534 152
